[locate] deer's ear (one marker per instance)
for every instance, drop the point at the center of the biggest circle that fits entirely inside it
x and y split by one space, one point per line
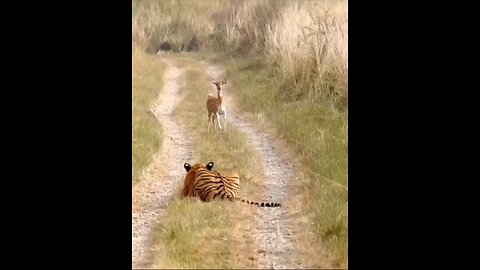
210 166
224 81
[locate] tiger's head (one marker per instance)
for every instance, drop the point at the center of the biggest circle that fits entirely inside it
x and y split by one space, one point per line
192 171
197 166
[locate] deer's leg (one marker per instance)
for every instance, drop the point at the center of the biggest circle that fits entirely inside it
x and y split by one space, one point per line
225 120
208 125
213 121
218 121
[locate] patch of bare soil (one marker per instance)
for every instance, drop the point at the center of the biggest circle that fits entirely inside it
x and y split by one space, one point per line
151 196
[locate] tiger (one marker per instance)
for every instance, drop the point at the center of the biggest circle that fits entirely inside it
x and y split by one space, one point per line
208 185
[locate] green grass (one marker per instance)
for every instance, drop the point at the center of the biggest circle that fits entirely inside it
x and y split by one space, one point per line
319 135
146 131
195 234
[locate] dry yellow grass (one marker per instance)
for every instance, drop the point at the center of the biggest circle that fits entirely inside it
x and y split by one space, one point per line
307 41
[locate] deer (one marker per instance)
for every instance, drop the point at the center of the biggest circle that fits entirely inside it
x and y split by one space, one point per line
216 108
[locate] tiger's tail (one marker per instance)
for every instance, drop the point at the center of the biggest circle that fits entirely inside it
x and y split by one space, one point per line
263 204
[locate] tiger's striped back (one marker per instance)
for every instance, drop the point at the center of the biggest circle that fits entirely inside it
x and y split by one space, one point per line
209 185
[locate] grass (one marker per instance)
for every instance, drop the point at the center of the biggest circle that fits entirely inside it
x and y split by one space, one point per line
195 235
146 131
203 235
319 135
306 41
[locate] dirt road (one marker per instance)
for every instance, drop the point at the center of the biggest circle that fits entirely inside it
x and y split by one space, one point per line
150 197
274 230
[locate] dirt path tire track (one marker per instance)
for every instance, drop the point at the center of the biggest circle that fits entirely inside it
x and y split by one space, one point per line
150 197
275 230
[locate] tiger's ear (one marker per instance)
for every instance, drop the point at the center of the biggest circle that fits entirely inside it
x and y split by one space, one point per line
210 166
187 167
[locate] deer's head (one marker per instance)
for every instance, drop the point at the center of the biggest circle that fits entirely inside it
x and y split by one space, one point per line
219 84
